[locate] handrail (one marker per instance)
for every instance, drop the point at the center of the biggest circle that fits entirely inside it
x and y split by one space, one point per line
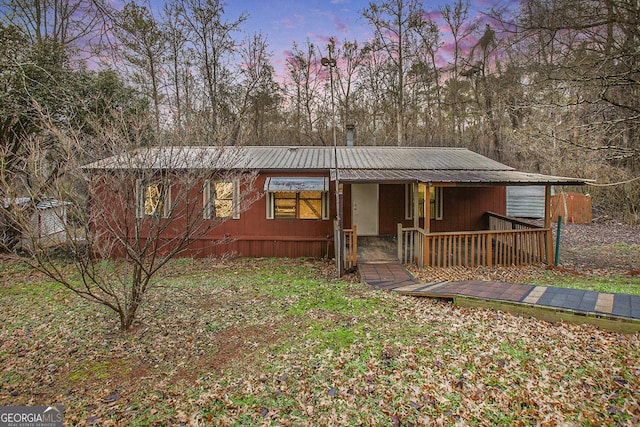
350 248
515 222
519 244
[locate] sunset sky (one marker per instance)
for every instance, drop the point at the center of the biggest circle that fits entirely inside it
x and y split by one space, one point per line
286 21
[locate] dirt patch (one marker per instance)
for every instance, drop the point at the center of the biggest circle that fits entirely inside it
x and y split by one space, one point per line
235 347
609 246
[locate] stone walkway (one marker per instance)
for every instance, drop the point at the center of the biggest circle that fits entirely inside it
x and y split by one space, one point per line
581 303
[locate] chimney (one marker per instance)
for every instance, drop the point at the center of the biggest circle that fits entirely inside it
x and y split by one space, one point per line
350 129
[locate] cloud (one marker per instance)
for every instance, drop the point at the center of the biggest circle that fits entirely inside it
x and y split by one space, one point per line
432 15
297 21
338 24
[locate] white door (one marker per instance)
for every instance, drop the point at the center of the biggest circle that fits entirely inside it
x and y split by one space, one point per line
364 208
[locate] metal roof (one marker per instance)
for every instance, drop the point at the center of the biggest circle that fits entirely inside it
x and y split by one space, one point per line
469 177
355 164
295 158
46 203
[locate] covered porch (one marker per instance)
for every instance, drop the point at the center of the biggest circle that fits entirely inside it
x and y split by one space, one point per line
444 218
506 242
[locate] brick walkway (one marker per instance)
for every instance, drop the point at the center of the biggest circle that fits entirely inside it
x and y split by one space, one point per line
386 275
393 276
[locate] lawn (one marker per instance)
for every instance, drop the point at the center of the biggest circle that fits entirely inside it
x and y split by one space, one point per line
613 283
284 342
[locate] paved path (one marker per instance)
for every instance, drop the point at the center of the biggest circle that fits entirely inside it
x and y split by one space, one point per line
393 276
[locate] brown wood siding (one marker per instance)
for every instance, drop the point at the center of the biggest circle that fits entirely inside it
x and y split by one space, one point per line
346 206
252 235
392 209
464 207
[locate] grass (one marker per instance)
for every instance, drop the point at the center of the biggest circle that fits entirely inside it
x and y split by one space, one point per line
284 342
608 283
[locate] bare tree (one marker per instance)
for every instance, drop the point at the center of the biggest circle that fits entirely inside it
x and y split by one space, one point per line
125 216
211 37
143 45
350 60
261 94
394 22
303 67
457 19
67 24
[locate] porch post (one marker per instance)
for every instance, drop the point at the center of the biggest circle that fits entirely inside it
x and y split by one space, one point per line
427 209
547 222
415 199
427 225
339 215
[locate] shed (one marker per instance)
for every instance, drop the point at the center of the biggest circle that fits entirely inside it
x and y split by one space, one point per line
48 222
575 208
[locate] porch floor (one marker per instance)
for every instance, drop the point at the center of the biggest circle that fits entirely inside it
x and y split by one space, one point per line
619 312
377 249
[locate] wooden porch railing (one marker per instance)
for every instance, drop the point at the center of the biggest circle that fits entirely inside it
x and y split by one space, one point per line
509 243
349 245
350 248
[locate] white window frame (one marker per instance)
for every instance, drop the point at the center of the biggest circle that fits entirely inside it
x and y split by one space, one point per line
437 201
141 187
409 200
207 200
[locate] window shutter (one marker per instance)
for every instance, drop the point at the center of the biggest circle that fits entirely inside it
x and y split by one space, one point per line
236 199
139 194
269 200
167 201
206 199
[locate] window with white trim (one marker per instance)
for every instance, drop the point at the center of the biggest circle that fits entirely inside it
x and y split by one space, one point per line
220 199
435 201
297 197
154 198
298 205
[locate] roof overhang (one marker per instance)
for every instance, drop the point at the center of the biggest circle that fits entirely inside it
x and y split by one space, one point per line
453 177
296 184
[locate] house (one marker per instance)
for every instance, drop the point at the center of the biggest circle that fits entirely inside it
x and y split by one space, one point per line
45 223
445 206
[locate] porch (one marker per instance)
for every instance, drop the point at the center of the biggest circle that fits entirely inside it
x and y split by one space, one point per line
506 242
442 218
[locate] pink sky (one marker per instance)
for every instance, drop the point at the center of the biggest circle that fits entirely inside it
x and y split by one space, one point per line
286 21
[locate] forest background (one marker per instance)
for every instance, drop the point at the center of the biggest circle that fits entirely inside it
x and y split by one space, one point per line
549 86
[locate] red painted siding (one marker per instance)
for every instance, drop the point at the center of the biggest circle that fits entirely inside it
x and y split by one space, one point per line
463 208
252 235
392 209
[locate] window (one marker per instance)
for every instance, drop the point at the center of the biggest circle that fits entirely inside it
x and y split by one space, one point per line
154 198
298 205
435 201
297 198
220 199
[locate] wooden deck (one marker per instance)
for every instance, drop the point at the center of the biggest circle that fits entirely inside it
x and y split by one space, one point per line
507 242
617 312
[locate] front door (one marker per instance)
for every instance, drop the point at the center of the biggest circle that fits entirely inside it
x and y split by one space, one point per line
364 208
